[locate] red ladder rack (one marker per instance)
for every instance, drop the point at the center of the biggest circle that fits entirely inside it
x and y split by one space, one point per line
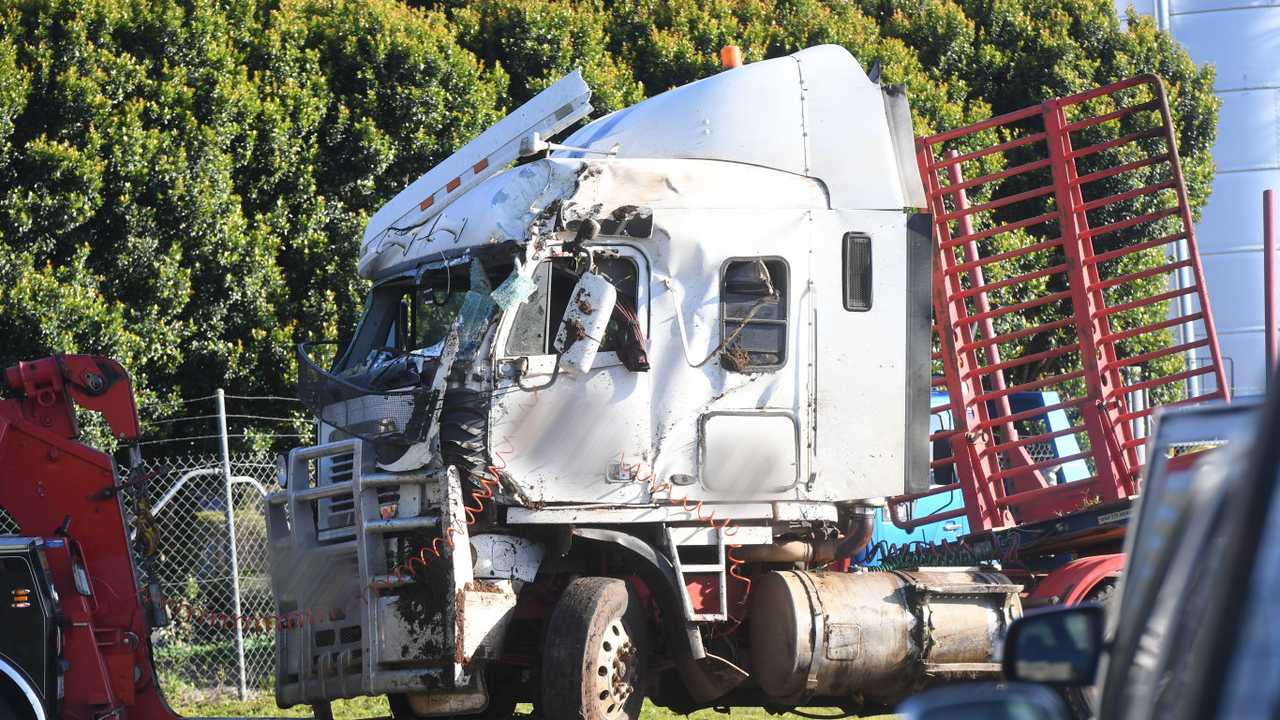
1063 275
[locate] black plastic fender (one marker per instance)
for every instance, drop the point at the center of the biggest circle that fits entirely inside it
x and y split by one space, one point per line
656 570
706 677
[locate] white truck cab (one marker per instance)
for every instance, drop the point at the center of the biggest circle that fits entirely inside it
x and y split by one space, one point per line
656 376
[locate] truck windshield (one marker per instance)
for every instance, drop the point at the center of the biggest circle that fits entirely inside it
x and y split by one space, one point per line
423 319
381 387
405 320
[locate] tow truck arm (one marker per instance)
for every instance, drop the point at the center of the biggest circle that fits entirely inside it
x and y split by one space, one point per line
68 504
50 389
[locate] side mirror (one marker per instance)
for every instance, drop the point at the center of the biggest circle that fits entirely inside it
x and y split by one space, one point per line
985 701
1059 647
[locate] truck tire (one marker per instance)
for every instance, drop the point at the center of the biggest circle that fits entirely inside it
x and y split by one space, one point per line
1083 702
594 660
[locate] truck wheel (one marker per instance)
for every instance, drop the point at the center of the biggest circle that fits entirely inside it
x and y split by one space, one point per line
1083 702
594 657
464 428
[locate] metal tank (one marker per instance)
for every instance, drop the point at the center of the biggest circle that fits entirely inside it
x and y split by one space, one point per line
876 637
1242 39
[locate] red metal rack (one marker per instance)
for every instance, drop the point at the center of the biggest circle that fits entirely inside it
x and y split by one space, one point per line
1073 271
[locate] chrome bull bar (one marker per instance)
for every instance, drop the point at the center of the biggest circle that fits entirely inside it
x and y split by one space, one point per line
321 585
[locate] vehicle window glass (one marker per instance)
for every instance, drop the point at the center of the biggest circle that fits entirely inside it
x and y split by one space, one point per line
538 318
753 309
1166 585
418 319
403 321
433 314
529 329
1185 633
1251 689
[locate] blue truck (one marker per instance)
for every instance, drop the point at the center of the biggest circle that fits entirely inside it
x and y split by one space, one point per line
888 534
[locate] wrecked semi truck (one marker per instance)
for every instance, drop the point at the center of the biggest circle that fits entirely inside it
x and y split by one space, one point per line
611 413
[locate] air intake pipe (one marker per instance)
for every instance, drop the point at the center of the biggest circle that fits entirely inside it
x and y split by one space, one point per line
862 523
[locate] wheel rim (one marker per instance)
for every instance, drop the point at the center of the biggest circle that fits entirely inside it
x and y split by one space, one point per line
615 670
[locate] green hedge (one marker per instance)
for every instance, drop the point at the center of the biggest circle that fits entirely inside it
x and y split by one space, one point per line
183 185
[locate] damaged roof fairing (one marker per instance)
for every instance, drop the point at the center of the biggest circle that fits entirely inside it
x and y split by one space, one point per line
814 113
504 208
499 210
675 184
554 109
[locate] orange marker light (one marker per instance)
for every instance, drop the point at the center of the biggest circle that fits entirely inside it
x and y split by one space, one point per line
730 57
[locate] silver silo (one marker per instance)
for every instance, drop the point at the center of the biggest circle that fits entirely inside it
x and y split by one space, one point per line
1241 38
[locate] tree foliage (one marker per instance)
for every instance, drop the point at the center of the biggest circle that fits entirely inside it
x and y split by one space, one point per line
183 185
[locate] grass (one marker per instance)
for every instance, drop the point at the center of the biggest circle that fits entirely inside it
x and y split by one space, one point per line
263 704
192 701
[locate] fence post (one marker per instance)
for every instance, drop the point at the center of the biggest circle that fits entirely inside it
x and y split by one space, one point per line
231 540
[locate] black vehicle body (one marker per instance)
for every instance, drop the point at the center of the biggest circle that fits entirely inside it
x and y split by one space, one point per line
29 643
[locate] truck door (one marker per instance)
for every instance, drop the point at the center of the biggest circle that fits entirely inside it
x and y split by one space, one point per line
561 436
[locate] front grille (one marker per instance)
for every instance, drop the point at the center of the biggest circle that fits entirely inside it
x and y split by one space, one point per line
336 513
336 517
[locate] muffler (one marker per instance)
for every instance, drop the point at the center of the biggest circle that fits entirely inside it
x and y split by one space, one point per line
876 636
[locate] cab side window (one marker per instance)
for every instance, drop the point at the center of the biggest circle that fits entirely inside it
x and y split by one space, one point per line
533 332
753 314
529 333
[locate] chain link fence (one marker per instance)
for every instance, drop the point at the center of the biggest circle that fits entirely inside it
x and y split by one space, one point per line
212 566
199 650
8 526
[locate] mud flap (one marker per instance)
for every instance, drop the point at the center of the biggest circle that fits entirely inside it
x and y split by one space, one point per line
710 678
485 609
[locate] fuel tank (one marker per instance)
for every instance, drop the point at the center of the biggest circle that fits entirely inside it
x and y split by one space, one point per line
876 636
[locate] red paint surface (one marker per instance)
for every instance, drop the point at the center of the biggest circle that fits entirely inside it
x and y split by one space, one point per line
50 476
